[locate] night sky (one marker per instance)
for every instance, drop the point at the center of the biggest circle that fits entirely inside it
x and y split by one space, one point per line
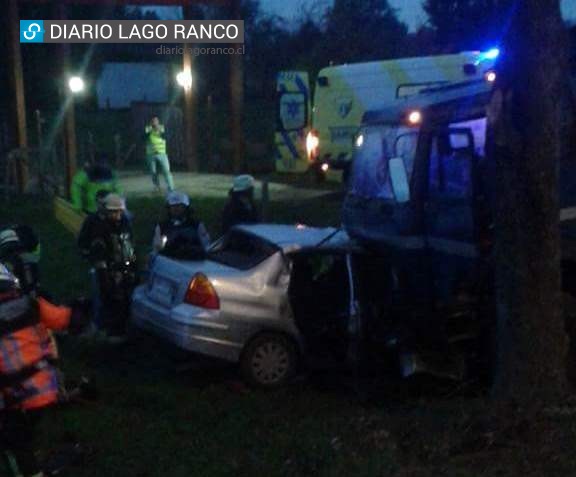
410 11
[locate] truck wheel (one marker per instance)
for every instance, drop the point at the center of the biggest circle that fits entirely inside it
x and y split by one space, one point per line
269 361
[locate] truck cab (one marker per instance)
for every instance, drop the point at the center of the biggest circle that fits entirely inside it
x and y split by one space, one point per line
421 194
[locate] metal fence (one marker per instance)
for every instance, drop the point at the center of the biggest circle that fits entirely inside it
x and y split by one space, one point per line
42 168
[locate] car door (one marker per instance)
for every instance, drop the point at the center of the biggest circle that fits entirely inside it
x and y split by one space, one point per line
320 297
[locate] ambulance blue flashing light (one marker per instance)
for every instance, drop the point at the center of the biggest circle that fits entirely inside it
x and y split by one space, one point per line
491 54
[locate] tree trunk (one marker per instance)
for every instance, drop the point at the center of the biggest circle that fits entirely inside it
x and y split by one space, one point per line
524 116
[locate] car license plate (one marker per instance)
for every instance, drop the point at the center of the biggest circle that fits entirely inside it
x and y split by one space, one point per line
162 291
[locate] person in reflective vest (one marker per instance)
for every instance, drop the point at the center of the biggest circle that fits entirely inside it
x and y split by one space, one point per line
88 181
28 377
180 235
156 157
106 242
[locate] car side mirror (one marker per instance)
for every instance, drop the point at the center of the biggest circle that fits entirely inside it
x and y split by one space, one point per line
399 179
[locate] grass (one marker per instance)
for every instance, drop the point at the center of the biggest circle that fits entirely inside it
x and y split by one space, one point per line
155 419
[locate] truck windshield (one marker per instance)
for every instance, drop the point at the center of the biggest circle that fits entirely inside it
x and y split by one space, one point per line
370 177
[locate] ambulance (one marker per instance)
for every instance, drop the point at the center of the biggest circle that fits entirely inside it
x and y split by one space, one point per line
319 135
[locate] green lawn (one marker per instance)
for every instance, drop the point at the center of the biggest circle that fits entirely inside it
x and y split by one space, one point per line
156 418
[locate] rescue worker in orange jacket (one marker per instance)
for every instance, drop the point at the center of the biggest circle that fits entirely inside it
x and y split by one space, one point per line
28 378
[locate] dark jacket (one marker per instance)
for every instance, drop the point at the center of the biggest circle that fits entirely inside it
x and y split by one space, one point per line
239 209
108 247
22 255
105 243
185 239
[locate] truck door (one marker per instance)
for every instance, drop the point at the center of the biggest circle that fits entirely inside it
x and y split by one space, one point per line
451 212
292 122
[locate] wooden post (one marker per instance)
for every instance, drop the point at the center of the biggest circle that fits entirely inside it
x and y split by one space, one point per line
237 100
71 148
209 118
17 80
265 200
190 111
39 132
68 101
189 116
117 150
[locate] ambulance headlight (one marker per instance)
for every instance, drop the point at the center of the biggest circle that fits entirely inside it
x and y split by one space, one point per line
312 142
324 167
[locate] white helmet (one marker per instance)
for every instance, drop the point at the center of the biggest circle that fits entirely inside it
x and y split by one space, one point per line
242 183
8 240
177 198
114 202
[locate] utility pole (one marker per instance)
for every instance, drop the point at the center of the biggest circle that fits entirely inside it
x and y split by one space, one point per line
190 112
17 80
70 147
237 99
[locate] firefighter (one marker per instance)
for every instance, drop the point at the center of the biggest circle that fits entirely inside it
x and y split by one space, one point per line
180 235
28 378
240 207
90 180
91 221
20 250
105 240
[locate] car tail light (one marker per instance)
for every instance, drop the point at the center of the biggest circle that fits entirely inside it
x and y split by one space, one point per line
202 293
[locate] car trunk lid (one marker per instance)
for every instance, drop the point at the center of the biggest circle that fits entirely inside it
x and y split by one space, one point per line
169 279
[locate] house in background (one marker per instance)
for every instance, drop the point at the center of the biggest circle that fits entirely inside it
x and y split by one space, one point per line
121 84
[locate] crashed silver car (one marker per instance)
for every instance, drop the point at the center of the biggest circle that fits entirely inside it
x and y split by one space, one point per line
268 295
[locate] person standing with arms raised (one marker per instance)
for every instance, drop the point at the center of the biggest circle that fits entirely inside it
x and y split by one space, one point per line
156 156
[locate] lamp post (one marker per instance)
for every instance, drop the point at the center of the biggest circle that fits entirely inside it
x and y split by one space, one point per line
185 79
76 86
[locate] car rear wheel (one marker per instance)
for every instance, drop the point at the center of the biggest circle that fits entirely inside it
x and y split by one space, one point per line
269 361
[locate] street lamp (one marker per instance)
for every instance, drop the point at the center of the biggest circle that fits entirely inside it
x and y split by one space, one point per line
75 84
75 87
184 79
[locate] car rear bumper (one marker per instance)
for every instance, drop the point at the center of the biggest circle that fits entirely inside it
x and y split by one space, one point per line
188 327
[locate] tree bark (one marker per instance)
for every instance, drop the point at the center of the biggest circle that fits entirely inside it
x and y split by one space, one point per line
525 118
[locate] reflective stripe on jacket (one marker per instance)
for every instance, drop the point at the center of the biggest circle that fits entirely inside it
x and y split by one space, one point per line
27 379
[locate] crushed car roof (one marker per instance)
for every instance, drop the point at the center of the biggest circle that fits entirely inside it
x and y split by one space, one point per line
295 237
